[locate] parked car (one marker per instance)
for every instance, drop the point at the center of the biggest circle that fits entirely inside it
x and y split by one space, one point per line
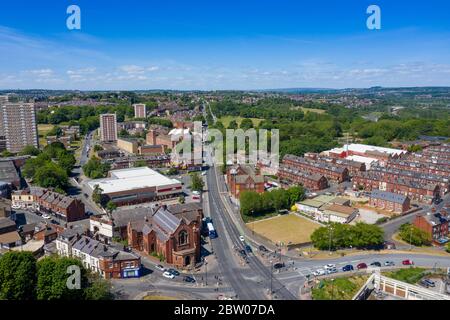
279 265
248 248
168 275
188 279
174 272
241 238
262 248
362 265
347 268
197 193
427 283
389 264
46 216
330 266
407 262
243 253
319 272
331 270
160 268
376 264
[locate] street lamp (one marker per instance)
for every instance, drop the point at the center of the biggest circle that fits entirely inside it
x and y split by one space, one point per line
410 237
329 247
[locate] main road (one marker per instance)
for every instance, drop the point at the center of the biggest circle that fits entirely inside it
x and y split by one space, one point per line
224 247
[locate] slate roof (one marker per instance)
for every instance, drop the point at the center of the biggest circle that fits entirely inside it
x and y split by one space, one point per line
388 196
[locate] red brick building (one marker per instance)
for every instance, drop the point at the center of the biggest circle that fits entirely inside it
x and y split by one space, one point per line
389 201
414 190
67 208
313 182
331 171
436 225
244 178
171 231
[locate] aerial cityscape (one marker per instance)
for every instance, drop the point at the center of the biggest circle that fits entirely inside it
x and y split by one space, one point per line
206 165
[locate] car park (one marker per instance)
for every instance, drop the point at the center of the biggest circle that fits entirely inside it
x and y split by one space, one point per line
362 265
389 264
375 264
407 262
319 272
168 275
188 279
347 268
160 267
174 272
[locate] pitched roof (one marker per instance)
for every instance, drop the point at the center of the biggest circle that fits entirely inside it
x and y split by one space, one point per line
388 196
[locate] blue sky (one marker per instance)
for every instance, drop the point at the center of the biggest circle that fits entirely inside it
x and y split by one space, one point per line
223 44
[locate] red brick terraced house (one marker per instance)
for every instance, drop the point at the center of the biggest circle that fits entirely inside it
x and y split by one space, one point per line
421 192
171 231
389 201
436 225
312 182
329 170
67 208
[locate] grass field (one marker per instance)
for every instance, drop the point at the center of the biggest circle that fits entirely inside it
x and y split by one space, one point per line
227 119
305 110
42 131
286 228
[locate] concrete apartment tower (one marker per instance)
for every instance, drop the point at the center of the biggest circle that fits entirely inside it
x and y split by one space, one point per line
108 127
140 110
18 126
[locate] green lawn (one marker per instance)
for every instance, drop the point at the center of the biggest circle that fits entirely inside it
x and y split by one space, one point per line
227 119
410 275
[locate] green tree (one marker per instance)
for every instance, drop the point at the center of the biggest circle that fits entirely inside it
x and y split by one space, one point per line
250 202
17 276
296 194
413 235
51 175
197 182
233 125
6 154
29 151
97 194
95 169
110 207
98 147
140 163
99 289
246 124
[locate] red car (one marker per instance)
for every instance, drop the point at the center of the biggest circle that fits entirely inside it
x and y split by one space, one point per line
361 266
407 262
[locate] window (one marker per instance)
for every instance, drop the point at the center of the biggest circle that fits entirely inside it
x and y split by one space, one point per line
183 238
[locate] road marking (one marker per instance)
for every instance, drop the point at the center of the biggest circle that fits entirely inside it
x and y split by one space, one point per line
355 261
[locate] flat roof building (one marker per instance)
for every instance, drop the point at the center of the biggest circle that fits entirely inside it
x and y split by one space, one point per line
137 185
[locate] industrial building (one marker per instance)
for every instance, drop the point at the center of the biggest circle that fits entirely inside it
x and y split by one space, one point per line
136 185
